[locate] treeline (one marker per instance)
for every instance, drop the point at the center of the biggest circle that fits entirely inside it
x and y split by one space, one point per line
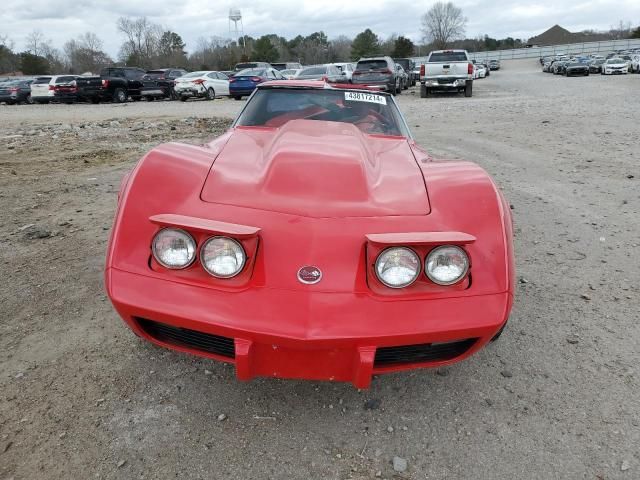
149 45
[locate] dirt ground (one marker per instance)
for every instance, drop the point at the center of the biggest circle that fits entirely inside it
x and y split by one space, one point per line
558 396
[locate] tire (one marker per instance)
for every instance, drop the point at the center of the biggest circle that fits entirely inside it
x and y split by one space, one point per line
497 335
95 100
136 98
237 97
211 94
183 98
42 102
119 95
468 89
424 93
586 74
149 99
399 88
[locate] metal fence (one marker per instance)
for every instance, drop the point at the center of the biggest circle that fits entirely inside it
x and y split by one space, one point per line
567 49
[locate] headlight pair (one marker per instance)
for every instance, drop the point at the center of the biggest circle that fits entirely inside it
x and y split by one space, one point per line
221 257
399 267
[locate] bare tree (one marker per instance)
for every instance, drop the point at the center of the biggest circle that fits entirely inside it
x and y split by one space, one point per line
142 40
85 54
35 42
442 24
621 31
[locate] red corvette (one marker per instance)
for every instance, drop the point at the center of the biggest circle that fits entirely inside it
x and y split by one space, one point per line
313 240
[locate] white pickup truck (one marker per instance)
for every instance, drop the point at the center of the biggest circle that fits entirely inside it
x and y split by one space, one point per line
447 70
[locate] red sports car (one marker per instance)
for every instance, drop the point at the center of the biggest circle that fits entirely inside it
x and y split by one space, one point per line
312 240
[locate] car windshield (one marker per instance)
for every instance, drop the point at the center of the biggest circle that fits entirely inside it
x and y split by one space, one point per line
312 71
42 80
194 74
251 72
437 57
372 65
65 79
371 112
574 64
615 60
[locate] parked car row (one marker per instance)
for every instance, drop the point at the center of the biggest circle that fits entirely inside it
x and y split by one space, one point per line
584 65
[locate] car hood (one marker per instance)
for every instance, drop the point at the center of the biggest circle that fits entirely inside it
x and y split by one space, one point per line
317 169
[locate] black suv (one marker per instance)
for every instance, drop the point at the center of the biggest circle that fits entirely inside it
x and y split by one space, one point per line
159 83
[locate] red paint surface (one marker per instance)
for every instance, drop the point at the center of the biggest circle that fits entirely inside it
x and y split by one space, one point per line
313 194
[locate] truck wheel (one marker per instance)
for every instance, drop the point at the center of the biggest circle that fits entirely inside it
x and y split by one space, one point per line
95 100
183 98
468 89
119 96
424 93
149 99
237 97
211 94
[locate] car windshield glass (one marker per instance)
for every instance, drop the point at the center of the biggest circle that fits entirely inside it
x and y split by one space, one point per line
371 112
256 72
615 60
438 57
372 65
42 80
313 71
65 79
574 64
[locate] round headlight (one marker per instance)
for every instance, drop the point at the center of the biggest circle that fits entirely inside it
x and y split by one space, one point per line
222 257
397 267
173 248
446 265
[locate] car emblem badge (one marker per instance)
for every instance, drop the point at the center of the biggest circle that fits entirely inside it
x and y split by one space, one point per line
309 274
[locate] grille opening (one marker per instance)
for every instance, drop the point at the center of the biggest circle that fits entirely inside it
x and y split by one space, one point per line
426 352
184 337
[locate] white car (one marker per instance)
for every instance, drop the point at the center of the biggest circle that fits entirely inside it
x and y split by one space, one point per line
290 73
635 63
615 66
43 88
482 72
207 84
346 69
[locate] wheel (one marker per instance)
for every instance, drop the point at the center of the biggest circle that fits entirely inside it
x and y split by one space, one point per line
42 102
405 85
28 100
399 88
136 98
237 97
183 98
211 94
95 100
149 99
119 95
586 74
468 89
497 335
424 93
173 95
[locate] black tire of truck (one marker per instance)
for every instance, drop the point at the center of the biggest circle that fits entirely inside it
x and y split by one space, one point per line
424 93
468 89
183 98
95 100
119 95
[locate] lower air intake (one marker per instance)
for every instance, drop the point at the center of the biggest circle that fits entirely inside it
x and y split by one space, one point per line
426 352
184 337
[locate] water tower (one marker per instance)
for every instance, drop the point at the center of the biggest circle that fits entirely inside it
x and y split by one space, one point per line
236 30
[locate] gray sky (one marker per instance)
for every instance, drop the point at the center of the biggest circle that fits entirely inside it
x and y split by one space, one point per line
61 20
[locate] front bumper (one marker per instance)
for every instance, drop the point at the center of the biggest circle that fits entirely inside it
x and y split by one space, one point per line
316 335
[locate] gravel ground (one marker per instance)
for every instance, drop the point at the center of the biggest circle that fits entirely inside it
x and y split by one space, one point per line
556 397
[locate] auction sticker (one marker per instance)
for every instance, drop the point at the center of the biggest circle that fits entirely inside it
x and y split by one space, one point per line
365 97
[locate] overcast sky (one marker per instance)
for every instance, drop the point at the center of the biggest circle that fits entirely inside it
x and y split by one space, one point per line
61 20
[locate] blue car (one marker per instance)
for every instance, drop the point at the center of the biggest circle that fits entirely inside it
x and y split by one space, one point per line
244 82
